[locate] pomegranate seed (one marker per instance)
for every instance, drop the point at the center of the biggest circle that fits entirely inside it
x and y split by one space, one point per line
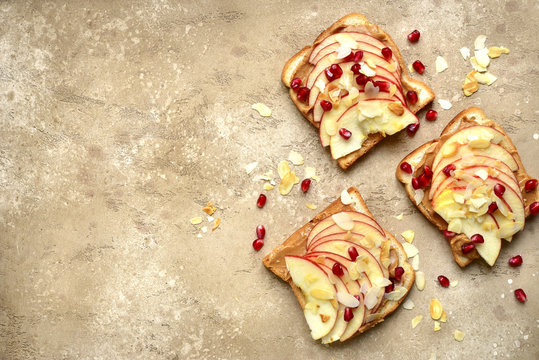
295 84
447 170
305 185
534 208
477 239
349 58
352 251
303 93
348 314
337 269
449 234
357 297
345 133
428 171
418 66
444 281
431 115
358 56
362 79
399 271
387 53
355 69
424 180
499 189
406 167
261 201
515 261
466 248
530 185
415 183
390 287
520 295
492 208
382 85
326 105
257 244
333 72
412 129
260 231
414 36
411 96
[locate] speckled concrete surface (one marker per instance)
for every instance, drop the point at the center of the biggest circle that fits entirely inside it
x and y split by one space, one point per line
120 121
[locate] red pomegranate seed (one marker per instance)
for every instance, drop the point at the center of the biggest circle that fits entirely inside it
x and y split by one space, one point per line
414 36
387 53
492 208
305 185
352 251
382 85
348 314
477 239
345 133
447 170
515 261
406 167
337 269
520 295
390 287
333 72
261 201
295 84
362 79
411 96
399 271
431 115
260 231
444 281
466 248
326 105
424 180
357 297
349 58
499 190
303 93
534 208
412 129
358 56
355 69
530 185
428 171
418 66
257 244
415 183
449 234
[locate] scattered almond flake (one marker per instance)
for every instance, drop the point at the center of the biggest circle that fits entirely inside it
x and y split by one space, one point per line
287 183
373 317
250 167
476 65
371 297
495 52
204 229
416 321
367 70
481 56
196 220
346 199
485 78
479 42
381 282
443 318
262 109
459 335
311 206
343 51
437 326
445 104
210 218
418 196
392 90
420 280
310 173
415 262
408 304
283 168
536 136
268 186
295 158
396 294
454 283
410 249
266 177
216 224
408 235
343 220
209 208
411 68
441 64
347 299
400 216
371 91
436 309
465 52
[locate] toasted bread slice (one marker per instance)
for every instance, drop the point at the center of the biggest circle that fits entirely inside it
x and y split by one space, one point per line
299 66
296 245
425 155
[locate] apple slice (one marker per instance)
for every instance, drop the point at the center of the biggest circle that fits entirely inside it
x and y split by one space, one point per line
319 293
353 39
359 231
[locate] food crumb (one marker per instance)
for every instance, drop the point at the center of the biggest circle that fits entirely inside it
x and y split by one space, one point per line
196 220
536 136
216 224
262 109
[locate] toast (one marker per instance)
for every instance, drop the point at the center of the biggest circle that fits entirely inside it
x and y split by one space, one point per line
467 164
389 75
311 244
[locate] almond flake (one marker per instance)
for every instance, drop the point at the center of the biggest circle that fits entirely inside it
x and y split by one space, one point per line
400 216
250 167
295 158
262 109
209 208
371 91
311 206
416 321
287 183
408 304
396 108
367 70
408 235
204 229
454 283
436 309
443 318
495 52
476 66
310 173
343 51
459 335
418 196
465 52
371 297
479 42
411 68
437 326
322 294
343 220
347 299
196 220
485 78
445 104
410 249
441 64
420 280
415 262
396 294
268 186
482 58
346 199
283 169
392 90
216 224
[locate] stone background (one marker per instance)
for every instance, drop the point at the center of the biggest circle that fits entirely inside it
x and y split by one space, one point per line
120 120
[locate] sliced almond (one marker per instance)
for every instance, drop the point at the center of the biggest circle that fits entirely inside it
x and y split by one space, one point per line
262 109
415 262
311 206
458 335
287 183
268 186
392 90
416 321
322 294
441 64
436 309
346 199
343 220
367 70
392 67
408 304
371 91
437 326
283 168
482 57
396 294
443 318
209 208
495 52
476 66
450 149
469 87
196 220
216 224
347 299
384 254
410 249
331 128
310 173
250 167
396 108
295 158
400 216
371 297
420 280
479 143
445 104
465 52
485 78
411 68
408 235
343 51
454 283
479 42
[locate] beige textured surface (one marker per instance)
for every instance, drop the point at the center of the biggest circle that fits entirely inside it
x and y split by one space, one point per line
120 121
